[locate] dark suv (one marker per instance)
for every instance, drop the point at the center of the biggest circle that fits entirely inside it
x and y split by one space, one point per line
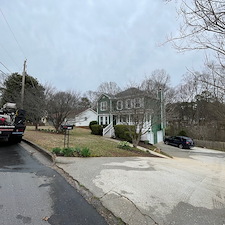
179 141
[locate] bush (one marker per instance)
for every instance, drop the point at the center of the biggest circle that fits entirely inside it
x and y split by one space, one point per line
77 150
96 129
124 132
85 152
57 151
68 152
92 123
182 133
124 145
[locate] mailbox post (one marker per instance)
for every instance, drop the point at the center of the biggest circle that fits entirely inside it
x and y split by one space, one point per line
66 128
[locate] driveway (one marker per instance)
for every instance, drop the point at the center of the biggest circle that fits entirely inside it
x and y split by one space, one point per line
186 190
197 153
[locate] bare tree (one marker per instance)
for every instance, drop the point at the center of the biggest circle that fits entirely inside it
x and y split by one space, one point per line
203 27
60 105
109 87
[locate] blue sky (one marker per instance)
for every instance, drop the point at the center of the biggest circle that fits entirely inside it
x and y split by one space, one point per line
77 45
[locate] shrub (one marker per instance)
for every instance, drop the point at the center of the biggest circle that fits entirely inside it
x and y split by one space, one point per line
56 151
124 132
124 145
68 152
92 123
85 152
182 133
96 129
77 150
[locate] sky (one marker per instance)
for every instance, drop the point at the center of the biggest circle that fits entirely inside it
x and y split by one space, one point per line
79 44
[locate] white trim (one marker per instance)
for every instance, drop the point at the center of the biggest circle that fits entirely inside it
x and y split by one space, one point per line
103 106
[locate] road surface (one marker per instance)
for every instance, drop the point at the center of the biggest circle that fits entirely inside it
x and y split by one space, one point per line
34 193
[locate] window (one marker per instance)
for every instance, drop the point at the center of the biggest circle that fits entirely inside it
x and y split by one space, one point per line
128 104
106 120
137 102
103 106
119 105
101 120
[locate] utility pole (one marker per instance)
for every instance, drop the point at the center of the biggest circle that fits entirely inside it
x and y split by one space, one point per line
23 82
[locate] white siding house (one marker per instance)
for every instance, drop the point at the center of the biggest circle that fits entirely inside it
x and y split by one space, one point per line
84 118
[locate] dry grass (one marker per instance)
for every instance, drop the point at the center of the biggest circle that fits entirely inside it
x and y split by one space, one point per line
81 138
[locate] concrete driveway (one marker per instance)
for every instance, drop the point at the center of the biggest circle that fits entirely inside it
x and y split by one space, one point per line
180 191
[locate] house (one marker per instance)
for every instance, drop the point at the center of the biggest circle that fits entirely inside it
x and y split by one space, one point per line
82 118
133 107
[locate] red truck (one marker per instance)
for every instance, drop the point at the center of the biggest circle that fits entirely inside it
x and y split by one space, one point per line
12 123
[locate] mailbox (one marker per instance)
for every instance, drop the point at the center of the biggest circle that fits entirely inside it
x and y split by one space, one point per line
67 127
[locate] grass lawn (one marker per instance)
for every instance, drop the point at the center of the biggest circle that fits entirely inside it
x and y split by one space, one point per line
98 145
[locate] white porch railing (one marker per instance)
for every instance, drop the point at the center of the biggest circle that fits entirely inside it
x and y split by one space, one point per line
108 131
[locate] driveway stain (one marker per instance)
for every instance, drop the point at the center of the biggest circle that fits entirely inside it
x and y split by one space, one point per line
186 214
26 220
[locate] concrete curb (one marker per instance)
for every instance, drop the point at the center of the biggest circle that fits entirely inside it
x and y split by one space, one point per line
90 198
48 154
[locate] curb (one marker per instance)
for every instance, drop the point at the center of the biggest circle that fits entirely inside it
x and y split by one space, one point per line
109 217
48 154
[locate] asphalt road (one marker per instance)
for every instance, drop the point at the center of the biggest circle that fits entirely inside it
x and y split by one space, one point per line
32 192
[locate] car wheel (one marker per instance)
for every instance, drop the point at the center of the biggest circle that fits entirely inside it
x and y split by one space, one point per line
180 146
166 142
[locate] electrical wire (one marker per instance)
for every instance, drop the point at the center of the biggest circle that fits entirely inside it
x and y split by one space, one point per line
5 67
7 53
13 33
3 73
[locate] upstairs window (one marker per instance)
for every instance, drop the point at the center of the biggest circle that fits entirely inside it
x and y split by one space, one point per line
119 105
103 106
137 102
128 104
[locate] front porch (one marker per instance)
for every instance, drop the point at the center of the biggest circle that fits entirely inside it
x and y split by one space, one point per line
150 135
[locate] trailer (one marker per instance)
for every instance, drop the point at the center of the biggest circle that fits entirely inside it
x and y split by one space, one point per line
12 123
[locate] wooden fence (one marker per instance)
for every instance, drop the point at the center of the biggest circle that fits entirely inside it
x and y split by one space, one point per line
210 144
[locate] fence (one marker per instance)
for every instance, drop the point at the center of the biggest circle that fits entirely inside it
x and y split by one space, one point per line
211 144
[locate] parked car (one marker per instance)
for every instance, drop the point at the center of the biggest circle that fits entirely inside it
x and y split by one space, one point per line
179 141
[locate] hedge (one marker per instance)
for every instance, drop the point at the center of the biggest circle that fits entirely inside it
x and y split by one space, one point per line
92 123
124 132
96 129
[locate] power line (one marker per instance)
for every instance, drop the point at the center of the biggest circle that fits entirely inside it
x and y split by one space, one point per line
7 53
5 67
13 33
3 72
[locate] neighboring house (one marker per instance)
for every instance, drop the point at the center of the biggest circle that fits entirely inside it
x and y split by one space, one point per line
82 118
125 107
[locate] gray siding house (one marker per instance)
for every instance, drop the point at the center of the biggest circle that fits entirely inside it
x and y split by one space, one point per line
130 107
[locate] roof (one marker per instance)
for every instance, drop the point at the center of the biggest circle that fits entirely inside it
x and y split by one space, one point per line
130 92
92 110
107 95
79 111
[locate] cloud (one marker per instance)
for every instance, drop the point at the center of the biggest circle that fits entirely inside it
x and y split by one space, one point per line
79 44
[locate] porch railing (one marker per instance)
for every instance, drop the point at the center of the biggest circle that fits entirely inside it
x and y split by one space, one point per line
108 131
